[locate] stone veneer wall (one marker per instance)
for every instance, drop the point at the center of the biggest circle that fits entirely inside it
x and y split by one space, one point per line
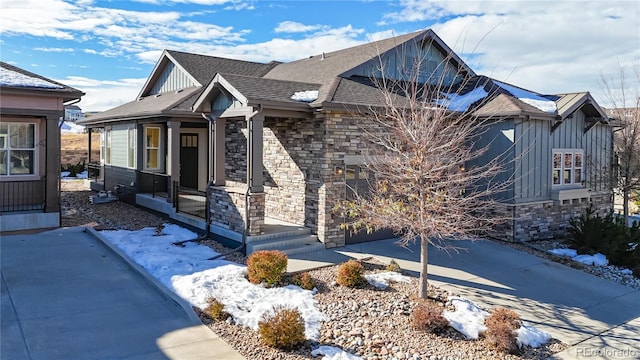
550 219
228 209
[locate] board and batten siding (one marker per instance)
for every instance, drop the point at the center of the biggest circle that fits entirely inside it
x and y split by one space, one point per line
171 79
532 165
596 144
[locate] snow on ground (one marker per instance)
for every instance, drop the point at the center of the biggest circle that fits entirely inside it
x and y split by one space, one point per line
381 280
469 319
13 78
187 272
529 97
596 259
82 175
333 353
305 96
461 103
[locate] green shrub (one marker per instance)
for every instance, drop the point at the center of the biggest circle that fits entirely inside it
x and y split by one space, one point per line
502 326
76 169
428 317
393 266
283 330
590 233
350 274
305 281
267 266
215 310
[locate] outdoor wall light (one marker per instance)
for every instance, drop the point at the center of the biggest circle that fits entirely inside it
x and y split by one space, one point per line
338 171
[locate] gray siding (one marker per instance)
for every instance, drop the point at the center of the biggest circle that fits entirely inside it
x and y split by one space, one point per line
598 151
401 65
497 145
171 79
114 176
532 175
119 145
569 134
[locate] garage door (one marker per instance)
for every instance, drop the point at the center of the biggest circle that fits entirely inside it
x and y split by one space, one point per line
357 182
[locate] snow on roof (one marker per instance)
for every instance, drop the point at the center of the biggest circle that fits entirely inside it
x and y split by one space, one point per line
461 102
529 97
70 127
305 96
14 78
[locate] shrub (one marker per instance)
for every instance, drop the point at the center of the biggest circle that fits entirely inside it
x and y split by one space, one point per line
608 235
350 274
393 266
267 266
283 330
305 281
428 317
76 169
501 330
215 310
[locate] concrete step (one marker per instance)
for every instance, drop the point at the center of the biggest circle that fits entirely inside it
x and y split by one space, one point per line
289 245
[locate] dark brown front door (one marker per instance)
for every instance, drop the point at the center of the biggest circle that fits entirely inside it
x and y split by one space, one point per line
189 160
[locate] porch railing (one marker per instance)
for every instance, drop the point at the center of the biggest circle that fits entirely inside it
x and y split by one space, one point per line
22 195
190 201
94 171
153 183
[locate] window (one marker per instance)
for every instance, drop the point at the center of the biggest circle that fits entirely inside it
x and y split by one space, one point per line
568 167
17 149
152 148
107 146
131 154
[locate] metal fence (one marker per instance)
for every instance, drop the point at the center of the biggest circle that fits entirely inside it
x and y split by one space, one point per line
22 195
190 201
153 183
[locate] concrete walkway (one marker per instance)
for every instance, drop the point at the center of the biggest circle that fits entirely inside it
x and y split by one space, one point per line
65 295
598 318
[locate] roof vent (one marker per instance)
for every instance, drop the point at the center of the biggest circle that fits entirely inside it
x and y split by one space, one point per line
179 91
323 56
157 95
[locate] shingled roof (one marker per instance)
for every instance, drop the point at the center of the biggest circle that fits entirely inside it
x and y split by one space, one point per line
13 78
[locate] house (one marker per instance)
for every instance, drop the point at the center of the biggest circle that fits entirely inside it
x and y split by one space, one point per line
262 152
31 111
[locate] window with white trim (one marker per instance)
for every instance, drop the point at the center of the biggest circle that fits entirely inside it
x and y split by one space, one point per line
107 146
568 167
17 149
131 153
152 148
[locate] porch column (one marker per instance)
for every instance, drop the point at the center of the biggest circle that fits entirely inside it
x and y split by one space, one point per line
218 152
255 177
89 130
52 161
173 153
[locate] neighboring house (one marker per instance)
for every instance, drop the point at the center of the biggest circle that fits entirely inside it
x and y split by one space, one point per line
73 113
31 110
279 143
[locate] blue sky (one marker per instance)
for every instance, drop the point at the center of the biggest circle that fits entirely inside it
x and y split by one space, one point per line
108 48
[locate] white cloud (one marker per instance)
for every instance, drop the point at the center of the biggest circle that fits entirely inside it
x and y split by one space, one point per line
57 50
295 27
104 94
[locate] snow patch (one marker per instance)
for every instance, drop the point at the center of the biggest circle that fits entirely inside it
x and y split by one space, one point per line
13 78
381 280
528 335
70 127
529 97
305 96
186 270
564 252
461 102
596 259
333 353
468 319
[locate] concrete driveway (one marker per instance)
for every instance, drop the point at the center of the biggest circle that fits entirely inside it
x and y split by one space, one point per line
65 295
598 318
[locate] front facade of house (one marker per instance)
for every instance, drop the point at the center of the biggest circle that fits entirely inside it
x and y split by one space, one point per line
31 109
283 142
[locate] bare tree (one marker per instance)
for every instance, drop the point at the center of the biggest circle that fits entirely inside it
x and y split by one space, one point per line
431 182
623 95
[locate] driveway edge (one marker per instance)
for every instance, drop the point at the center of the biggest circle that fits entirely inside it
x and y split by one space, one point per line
160 287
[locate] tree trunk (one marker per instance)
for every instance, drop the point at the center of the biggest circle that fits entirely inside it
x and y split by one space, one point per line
424 255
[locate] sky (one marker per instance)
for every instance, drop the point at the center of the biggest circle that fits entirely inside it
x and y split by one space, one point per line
108 48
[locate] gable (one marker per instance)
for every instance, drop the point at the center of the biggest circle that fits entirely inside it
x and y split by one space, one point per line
172 78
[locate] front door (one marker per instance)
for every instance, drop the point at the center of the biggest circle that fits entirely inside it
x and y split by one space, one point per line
357 180
189 160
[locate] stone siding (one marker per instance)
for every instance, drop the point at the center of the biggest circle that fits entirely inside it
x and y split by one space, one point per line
550 219
228 209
